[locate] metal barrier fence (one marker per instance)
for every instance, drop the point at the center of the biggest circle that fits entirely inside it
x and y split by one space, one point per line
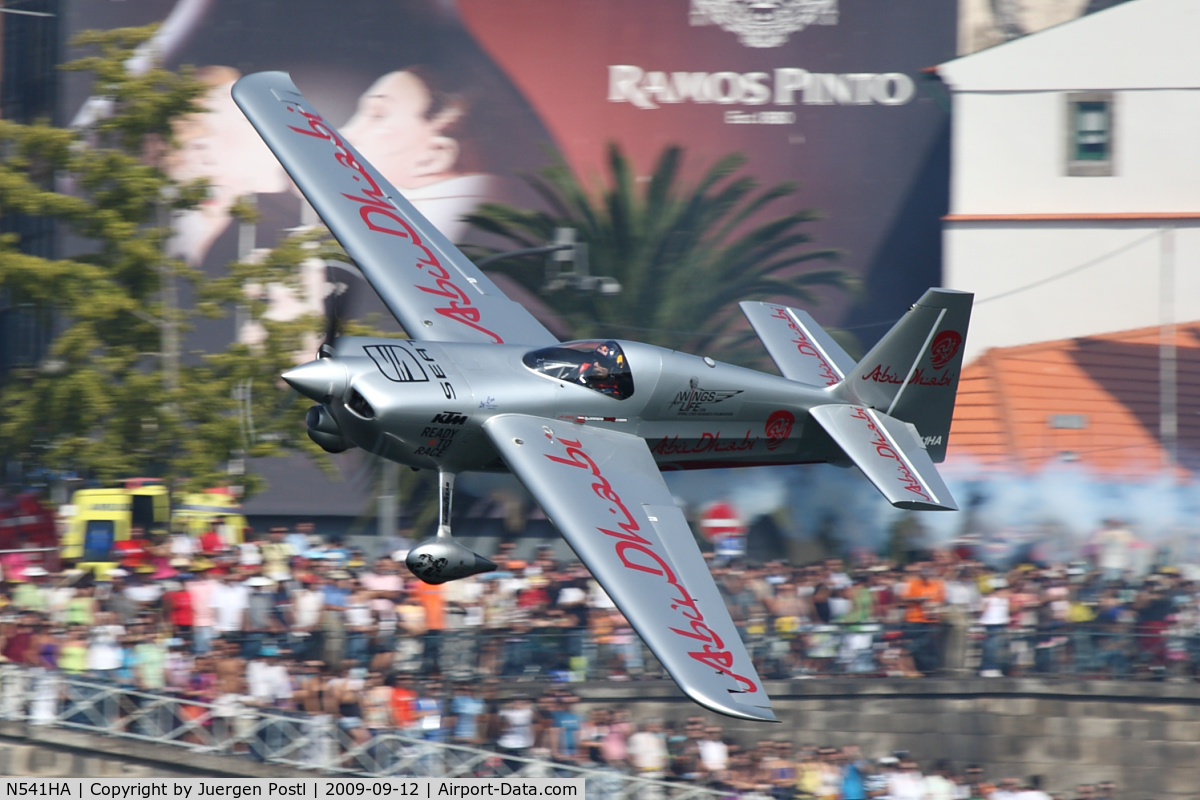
230 726
309 742
1080 650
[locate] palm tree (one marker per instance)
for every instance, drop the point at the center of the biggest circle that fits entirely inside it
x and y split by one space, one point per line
684 256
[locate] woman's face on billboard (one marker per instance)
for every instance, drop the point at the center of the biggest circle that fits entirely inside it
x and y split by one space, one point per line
392 130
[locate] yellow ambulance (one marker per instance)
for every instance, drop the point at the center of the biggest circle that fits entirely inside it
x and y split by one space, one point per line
102 518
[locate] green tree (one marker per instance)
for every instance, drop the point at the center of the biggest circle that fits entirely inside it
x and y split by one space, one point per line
115 397
683 255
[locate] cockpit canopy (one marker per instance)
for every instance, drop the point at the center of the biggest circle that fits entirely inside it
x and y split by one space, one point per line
599 365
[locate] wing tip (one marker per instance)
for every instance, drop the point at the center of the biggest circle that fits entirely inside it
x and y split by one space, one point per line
938 505
731 708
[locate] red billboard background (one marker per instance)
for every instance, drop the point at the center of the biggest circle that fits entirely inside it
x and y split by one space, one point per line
839 105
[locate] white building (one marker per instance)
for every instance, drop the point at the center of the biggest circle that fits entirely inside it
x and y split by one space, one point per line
1075 176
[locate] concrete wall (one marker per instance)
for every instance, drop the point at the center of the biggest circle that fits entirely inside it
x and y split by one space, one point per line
48 752
1143 736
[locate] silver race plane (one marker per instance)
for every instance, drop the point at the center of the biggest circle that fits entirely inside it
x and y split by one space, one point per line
587 426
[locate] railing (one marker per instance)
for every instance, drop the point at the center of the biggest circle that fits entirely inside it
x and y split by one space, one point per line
309 742
1079 650
230 726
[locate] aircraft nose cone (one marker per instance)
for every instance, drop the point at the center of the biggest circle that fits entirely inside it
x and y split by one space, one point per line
318 379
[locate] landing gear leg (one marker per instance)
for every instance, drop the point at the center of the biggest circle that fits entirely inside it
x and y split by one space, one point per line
441 558
445 503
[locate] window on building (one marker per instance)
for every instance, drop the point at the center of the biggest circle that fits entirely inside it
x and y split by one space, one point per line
1090 133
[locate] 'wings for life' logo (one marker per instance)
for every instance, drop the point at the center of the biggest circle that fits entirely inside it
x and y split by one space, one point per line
945 347
764 23
779 428
696 401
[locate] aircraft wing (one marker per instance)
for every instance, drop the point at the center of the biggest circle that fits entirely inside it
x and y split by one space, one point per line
433 290
800 347
603 491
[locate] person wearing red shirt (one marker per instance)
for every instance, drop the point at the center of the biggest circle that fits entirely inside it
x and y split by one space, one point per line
211 542
180 612
133 552
403 703
18 646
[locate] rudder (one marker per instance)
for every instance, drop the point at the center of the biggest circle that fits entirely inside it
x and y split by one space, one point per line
912 373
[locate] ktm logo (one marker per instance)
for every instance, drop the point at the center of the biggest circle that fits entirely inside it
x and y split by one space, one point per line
450 418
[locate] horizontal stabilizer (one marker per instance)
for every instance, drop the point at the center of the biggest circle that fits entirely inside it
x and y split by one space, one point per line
801 349
889 453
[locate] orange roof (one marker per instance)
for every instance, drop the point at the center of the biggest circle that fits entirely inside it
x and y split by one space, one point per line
1094 400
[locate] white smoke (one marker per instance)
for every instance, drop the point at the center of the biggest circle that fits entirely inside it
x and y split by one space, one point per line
1052 514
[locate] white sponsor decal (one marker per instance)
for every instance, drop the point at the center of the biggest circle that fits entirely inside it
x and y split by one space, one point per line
763 23
786 86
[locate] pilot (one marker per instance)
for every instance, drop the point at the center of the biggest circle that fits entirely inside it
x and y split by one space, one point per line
607 362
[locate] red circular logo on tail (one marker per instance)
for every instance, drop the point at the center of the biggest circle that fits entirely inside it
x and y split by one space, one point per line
945 347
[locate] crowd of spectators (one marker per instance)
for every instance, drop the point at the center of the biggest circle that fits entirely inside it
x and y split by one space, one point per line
287 621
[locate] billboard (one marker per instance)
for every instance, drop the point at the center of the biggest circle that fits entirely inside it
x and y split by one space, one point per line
827 93
454 99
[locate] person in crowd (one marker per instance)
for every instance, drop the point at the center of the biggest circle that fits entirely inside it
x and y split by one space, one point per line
467 714
907 782
1007 789
592 735
517 733
430 711
924 595
565 730
648 749
403 702
277 555
304 618
977 787
854 773
809 773
376 704
939 783
268 681
714 752
359 623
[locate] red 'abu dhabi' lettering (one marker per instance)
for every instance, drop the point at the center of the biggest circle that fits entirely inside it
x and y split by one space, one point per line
885 450
636 553
707 443
805 347
380 216
882 374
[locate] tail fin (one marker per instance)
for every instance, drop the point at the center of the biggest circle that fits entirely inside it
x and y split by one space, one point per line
912 374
